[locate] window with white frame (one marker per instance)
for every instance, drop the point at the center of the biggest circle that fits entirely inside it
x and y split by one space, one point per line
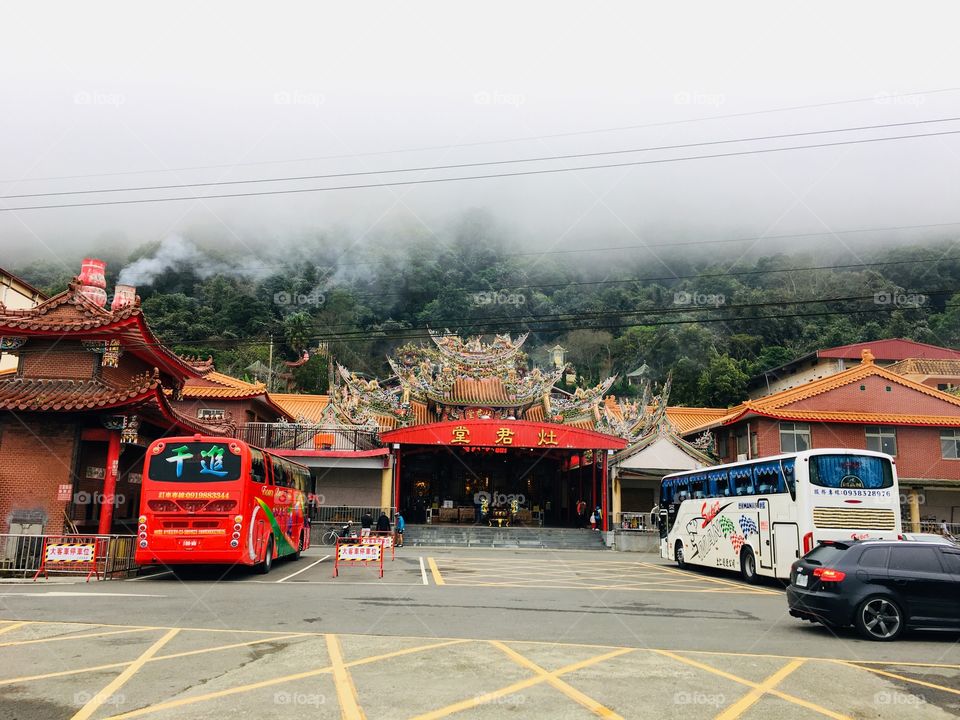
882 439
794 437
211 414
950 444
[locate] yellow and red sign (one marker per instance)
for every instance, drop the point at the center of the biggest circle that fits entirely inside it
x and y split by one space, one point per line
504 434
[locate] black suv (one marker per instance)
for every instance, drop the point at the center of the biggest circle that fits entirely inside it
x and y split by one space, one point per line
879 586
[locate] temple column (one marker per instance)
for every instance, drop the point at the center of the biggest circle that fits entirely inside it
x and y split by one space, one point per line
593 481
913 502
606 481
396 478
386 485
109 500
615 507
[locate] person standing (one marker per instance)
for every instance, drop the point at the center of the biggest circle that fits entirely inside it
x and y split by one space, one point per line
366 523
400 526
383 522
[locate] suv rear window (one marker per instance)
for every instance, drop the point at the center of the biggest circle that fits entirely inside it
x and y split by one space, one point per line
916 559
825 554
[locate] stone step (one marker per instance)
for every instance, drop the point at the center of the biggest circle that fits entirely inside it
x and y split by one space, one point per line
479 537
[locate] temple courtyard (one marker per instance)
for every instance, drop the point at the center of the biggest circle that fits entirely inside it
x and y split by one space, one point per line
447 633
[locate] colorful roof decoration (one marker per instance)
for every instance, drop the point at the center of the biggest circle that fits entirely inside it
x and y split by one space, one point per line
19 393
777 405
455 379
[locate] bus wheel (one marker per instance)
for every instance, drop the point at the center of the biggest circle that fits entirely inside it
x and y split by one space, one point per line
748 566
296 555
678 555
264 567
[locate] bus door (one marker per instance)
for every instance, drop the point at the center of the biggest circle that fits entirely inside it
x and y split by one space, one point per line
764 545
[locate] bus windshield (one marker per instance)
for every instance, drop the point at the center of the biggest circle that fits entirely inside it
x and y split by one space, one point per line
194 462
851 471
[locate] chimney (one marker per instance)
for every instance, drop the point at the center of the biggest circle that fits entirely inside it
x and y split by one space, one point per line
93 281
123 295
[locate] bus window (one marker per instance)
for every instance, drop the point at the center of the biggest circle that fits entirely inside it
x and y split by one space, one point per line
696 489
719 484
768 481
258 470
281 473
742 481
786 470
851 471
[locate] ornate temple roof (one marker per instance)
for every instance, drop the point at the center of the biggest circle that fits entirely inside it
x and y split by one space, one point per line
455 378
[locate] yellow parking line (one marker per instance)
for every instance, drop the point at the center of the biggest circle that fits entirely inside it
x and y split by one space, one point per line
435 571
568 690
900 677
749 683
118 682
77 637
516 687
96 668
706 578
748 700
12 626
275 681
346 691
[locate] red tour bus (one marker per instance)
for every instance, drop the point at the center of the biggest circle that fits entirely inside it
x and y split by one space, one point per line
221 501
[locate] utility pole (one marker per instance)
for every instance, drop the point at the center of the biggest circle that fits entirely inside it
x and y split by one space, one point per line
270 368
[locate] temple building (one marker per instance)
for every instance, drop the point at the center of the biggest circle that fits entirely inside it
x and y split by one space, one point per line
476 434
91 388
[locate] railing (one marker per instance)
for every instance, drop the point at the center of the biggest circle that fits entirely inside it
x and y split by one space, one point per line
304 436
22 554
936 528
634 521
342 514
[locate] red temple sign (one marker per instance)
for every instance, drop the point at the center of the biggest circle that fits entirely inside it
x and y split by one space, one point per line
504 433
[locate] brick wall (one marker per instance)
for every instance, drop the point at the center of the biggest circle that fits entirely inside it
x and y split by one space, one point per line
875 397
36 457
50 359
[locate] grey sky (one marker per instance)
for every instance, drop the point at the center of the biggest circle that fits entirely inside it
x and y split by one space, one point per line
114 87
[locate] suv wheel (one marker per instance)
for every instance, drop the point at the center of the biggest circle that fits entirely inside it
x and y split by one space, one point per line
678 555
879 618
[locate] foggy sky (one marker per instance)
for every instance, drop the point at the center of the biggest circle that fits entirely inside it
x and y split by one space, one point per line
115 87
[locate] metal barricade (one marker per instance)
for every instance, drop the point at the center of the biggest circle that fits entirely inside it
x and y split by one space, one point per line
23 555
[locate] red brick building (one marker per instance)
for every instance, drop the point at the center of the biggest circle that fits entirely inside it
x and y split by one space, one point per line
865 406
87 396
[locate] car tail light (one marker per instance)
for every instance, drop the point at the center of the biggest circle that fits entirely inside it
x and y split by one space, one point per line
162 505
807 543
221 506
829 574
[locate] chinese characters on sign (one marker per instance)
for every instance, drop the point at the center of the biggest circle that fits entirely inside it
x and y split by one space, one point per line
179 455
215 457
461 435
547 438
504 436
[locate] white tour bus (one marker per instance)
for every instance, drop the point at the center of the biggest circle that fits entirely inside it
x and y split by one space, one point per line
758 516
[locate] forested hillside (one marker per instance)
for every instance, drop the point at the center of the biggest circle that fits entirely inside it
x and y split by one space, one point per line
714 314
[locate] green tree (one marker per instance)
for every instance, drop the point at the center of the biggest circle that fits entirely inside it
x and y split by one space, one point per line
723 382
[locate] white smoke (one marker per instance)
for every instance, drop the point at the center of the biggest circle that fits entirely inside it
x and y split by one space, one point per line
176 252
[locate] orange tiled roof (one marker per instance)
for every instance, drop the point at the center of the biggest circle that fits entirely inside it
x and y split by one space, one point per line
20 393
685 418
923 366
308 407
479 391
217 385
774 405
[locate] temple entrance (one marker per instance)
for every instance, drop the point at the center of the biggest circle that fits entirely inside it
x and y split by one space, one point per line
496 487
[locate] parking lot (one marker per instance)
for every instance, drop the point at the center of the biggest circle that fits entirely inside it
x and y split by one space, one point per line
451 633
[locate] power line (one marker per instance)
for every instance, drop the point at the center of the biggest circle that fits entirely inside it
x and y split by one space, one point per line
428 181
489 163
499 323
575 133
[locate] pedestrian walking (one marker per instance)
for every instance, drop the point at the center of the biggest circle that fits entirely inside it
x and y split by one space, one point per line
593 521
400 526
